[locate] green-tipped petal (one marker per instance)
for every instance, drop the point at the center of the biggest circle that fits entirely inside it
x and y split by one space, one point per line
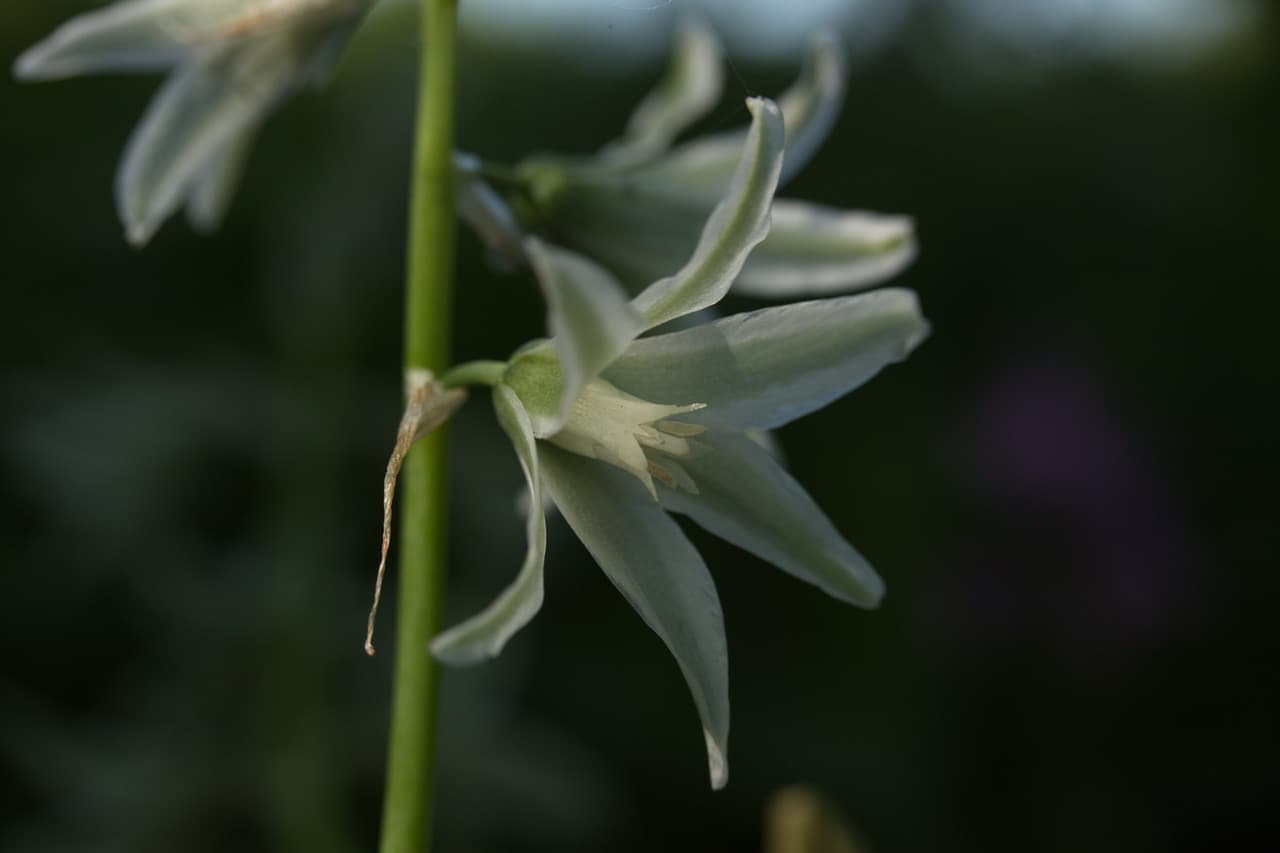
745 497
738 223
765 368
659 572
701 168
590 320
813 250
483 636
690 88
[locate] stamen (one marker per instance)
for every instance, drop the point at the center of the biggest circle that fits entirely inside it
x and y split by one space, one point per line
662 474
680 429
673 475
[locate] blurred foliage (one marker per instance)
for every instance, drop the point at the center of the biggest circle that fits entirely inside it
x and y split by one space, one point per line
799 820
1068 489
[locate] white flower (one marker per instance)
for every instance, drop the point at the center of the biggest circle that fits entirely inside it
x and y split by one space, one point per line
621 429
233 62
637 206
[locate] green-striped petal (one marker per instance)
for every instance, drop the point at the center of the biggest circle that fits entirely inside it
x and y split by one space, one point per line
812 105
690 88
702 167
813 250
745 497
738 223
590 320
764 368
659 572
483 636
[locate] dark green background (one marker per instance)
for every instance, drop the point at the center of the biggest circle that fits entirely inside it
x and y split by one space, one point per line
1069 489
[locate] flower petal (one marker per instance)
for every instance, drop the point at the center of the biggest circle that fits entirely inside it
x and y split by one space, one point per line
812 105
638 233
738 223
688 91
765 368
745 497
589 318
702 167
482 636
488 214
216 184
658 571
130 36
201 109
813 250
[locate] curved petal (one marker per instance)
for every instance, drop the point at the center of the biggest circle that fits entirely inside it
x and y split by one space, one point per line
813 250
738 223
216 184
483 635
745 497
702 167
488 214
812 105
131 36
589 318
765 368
220 93
658 571
688 91
639 234
203 107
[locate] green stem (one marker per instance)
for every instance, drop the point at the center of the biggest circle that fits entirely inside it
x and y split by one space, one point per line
407 809
474 373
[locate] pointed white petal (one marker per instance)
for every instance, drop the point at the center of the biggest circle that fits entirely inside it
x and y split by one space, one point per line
129 36
589 318
765 368
813 250
738 223
701 168
205 105
658 571
138 35
212 99
745 497
812 105
689 90
483 636
216 184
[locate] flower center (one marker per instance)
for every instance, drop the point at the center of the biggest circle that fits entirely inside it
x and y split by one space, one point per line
636 435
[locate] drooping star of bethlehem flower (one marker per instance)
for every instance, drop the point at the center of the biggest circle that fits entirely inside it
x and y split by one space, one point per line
658 196
233 62
621 429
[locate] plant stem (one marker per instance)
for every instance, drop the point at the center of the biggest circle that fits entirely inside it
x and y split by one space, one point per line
407 809
474 373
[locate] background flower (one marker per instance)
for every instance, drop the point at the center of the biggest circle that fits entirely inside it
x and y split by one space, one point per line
233 62
659 195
